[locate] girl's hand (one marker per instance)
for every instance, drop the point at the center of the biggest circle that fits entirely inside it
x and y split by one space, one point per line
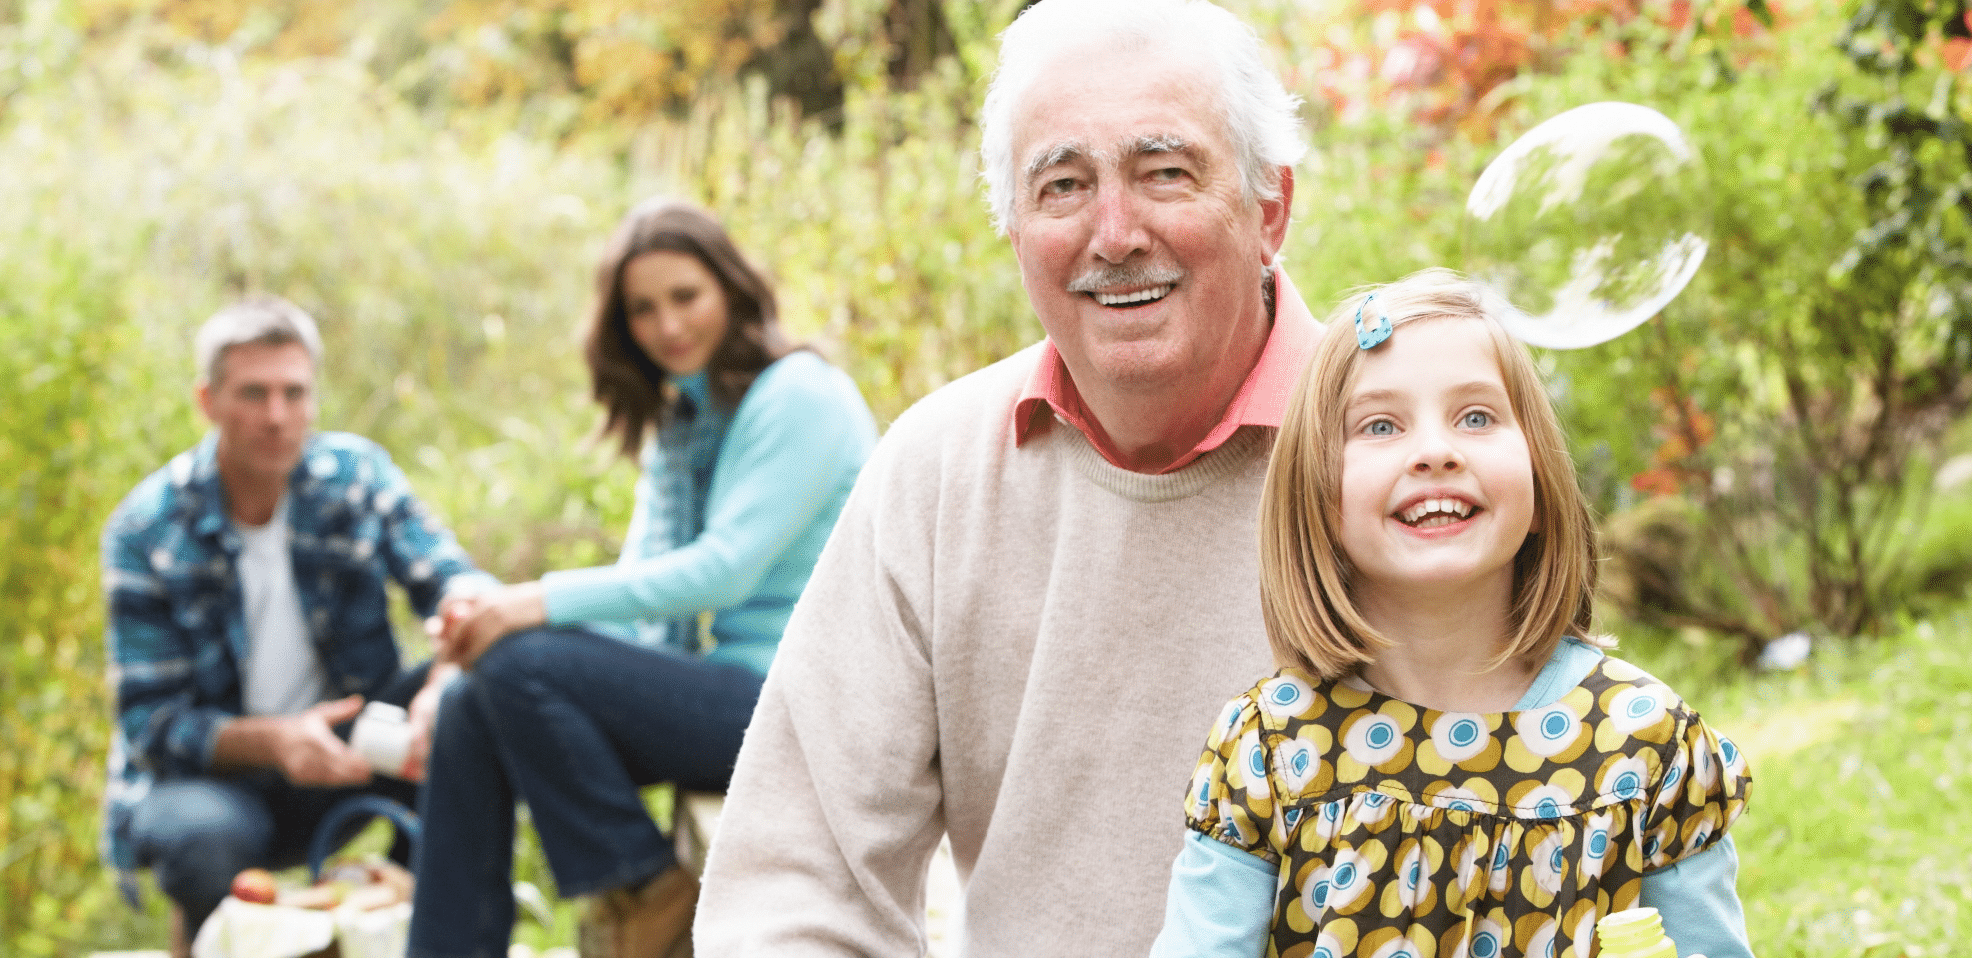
493 616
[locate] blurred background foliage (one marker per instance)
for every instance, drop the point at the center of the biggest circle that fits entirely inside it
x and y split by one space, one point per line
432 180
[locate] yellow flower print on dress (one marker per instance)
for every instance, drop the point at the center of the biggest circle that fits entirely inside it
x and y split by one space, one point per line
1285 696
1547 867
1596 850
1485 938
1403 830
1336 940
1351 878
1415 888
1461 740
1624 777
1579 922
1534 935
1636 708
1376 740
1559 794
1470 871
1299 763
1551 735
1394 943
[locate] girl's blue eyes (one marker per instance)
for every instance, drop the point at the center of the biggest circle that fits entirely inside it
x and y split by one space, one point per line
1475 419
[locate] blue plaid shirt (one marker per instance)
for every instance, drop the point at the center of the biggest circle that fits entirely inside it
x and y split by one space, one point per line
177 626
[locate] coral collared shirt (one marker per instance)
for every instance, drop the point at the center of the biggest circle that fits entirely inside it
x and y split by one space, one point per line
1261 400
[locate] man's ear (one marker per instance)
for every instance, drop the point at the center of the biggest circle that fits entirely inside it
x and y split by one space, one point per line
1274 215
202 391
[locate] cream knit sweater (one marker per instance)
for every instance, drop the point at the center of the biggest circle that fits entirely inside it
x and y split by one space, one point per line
1021 647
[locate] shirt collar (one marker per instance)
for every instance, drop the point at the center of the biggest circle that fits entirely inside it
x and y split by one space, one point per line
1261 400
206 494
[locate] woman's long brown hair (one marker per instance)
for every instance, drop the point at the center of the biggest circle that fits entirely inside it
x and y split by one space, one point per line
630 387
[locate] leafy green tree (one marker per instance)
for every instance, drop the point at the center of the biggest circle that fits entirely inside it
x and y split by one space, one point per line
1795 396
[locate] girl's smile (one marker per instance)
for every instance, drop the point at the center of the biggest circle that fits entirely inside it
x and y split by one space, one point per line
1437 487
1435 512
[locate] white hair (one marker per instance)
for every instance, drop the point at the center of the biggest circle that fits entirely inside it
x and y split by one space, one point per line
259 318
1260 115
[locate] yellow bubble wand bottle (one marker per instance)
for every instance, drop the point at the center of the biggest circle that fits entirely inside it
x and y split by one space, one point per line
1636 933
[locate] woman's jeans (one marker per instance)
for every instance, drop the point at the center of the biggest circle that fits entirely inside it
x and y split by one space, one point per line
574 724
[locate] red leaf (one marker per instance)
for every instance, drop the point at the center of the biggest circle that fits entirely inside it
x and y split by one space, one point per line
1657 482
1958 53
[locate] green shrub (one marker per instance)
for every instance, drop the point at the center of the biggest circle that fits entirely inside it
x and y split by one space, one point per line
1791 397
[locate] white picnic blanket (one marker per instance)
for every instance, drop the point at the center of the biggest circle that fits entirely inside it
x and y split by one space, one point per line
239 929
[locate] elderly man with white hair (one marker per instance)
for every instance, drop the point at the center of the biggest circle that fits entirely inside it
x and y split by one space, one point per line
1045 582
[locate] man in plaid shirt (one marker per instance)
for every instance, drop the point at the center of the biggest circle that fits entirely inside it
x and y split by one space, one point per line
247 619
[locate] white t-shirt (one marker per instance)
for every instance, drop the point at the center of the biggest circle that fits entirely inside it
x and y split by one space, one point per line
283 675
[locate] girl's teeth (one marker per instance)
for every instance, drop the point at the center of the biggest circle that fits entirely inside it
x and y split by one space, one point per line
1442 511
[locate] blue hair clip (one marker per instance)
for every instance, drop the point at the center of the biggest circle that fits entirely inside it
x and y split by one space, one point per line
1370 337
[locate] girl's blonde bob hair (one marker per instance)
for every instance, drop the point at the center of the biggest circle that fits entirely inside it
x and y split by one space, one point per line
1305 593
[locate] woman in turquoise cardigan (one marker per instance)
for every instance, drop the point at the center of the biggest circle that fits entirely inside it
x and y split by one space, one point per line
583 687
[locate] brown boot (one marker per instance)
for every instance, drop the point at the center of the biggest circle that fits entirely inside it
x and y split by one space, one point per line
181 937
647 922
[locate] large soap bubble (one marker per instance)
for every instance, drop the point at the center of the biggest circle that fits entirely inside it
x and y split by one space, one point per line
1589 223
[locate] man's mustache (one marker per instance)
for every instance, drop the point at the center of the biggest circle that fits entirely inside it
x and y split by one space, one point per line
1126 276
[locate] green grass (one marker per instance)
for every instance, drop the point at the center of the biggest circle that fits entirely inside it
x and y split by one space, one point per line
1859 845
1854 842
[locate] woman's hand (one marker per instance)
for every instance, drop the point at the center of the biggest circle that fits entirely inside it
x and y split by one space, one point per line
472 624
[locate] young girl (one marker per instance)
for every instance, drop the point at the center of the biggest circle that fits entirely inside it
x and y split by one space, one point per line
1447 764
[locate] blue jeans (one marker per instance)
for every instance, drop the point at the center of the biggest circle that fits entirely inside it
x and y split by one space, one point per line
574 724
195 834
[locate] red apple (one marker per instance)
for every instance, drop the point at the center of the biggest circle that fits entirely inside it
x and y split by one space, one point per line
255 885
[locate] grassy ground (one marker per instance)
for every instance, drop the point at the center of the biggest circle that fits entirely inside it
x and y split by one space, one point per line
1853 844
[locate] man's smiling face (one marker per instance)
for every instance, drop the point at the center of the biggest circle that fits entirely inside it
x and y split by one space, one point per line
1140 251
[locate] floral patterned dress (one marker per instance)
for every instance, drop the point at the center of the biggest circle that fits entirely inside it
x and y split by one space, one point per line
1404 832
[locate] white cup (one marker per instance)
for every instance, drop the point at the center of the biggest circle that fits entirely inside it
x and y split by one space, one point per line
383 737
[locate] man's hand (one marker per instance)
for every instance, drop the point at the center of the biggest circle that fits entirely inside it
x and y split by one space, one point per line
302 747
471 625
309 754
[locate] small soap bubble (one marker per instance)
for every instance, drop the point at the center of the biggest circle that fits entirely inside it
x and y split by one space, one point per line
1589 223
